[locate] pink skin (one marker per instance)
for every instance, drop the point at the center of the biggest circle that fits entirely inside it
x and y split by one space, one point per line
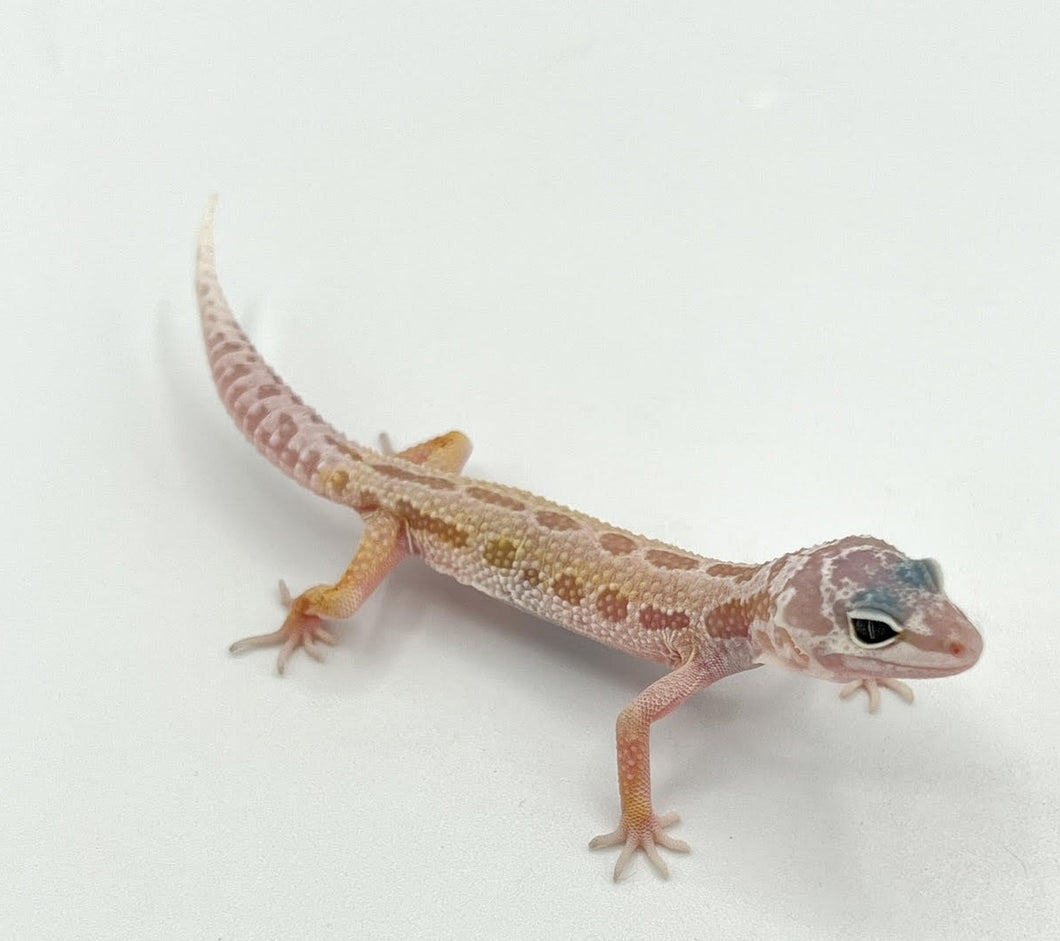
818 590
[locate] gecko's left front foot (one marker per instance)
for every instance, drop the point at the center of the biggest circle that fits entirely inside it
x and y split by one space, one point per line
872 687
647 836
300 629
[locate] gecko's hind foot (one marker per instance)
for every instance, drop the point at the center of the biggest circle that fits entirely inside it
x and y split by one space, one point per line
872 687
647 836
300 629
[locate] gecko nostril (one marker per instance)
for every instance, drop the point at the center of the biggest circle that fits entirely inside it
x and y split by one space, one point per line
957 649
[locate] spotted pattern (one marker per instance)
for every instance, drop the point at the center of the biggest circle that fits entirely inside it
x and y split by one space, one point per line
499 554
440 529
734 617
568 587
531 576
558 522
658 619
495 499
612 605
401 473
223 349
739 573
617 544
663 559
280 440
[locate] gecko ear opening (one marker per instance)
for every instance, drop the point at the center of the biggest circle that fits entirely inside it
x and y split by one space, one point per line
872 629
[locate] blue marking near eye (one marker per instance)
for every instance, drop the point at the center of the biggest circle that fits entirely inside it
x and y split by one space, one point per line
916 574
882 599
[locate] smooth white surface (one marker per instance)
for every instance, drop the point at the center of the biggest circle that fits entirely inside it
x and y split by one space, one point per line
742 276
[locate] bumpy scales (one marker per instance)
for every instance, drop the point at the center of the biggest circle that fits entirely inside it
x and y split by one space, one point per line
855 610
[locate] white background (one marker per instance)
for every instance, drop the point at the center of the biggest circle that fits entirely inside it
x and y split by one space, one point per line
742 276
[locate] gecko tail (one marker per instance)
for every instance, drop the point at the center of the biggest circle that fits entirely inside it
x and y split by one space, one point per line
275 420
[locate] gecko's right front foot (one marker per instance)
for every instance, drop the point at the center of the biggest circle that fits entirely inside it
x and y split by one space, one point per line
646 835
300 629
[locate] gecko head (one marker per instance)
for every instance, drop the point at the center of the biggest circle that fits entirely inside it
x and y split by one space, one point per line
858 608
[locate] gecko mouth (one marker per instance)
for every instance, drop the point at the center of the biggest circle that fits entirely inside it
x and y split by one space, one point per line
948 664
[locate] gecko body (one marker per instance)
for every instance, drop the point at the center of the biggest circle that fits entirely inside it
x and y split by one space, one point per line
854 610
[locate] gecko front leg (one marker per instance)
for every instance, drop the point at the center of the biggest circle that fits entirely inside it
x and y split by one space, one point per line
640 827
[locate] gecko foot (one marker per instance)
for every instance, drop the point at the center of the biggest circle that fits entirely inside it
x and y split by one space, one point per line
872 687
648 836
300 629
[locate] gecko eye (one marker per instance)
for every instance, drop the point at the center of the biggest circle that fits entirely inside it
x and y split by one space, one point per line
872 628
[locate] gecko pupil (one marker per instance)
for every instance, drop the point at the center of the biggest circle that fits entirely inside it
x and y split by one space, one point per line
869 631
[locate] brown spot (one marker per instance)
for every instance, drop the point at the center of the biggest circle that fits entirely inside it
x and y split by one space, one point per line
612 604
280 439
657 619
568 587
662 559
617 544
268 390
250 415
739 573
557 521
223 349
532 577
289 458
232 374
499 554
495 499
367 502
440 529
734 618
335 483
400 473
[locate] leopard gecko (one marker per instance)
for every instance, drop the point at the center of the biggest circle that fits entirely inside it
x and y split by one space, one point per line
855 610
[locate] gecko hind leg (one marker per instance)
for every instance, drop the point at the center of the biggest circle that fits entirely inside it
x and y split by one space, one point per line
382 547
448 452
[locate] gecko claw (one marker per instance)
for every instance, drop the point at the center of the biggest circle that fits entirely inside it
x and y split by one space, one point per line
872 687
648 837
300 629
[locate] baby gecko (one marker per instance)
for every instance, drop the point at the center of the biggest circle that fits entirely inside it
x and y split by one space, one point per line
855 611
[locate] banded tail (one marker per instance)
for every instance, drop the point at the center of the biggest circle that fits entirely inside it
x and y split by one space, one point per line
275 420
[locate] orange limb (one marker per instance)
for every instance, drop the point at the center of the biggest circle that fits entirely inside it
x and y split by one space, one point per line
382 547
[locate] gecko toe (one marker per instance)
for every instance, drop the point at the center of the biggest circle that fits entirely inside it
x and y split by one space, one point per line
258 640
872 688
645 835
